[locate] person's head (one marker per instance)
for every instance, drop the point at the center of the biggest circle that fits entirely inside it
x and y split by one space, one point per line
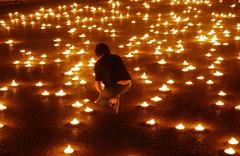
102 49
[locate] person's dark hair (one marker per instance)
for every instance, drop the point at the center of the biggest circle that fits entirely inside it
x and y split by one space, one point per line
102 49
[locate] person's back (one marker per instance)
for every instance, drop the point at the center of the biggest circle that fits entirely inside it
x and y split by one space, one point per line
110 69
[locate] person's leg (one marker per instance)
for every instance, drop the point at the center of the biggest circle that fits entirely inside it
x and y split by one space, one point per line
110 95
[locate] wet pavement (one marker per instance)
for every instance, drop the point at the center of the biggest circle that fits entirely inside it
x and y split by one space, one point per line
184 58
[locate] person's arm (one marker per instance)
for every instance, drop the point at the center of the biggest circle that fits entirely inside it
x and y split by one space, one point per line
98 86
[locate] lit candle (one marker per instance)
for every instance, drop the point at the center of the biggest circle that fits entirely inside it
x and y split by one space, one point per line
74 122
180 126
68 150
1 125
199 127
88 109
45 93
2 107
39 84
221 93
60 93
164 88
144 104
156 99
219 103
151 122
77 104
14 83
230 151
233 141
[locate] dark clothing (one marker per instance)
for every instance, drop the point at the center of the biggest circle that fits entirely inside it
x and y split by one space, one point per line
110 69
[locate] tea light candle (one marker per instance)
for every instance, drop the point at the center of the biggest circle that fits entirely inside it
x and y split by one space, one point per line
180 126
219 103
14 83
164 88
221 93
60 93
68 150
45 93
88 109
156 99
77 104
2 107
39 84
199 127
151 122
233 141
144 76
144 104
1 125
230 151
74 122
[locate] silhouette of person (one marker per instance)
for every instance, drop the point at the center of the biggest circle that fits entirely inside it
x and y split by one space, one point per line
111 71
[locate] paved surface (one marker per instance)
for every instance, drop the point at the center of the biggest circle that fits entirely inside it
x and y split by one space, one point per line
39 125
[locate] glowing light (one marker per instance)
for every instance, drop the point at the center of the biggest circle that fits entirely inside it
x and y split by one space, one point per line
75 121
4 89
9 42
164 88
230 151
144 76
39 84
219 103
233 141
221 93
151 122
144 104
14 83
77 104
199 127
45 93
2 107
156 99
237 107
68 150
180 126
60 93
88 109
1 125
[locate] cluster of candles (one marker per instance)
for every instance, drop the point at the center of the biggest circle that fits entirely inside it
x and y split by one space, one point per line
155 35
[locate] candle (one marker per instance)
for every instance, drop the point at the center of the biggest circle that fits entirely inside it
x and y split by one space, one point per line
230 151
144 76
1 125
233 141
180 126
14 83
219 103
88 109
144 104
156 99
2 107
221 93
60 93
151 122
68 150
74 122
199 127
45 93
39 84
77 104
164 88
